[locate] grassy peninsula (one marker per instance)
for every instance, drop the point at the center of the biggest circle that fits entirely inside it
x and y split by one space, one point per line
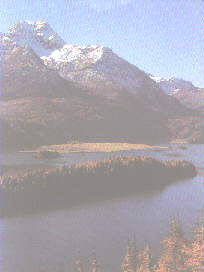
95 147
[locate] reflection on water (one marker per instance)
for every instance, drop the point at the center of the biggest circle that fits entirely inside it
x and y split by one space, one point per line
50 242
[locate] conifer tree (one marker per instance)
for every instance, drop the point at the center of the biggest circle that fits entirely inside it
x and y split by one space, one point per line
135 252
129 261
173 257
79 264
145 262
195 260
95 265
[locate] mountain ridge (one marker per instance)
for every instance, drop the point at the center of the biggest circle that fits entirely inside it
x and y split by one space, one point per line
91 66
183 90
111 100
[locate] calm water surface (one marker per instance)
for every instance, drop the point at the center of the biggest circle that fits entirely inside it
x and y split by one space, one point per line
50 242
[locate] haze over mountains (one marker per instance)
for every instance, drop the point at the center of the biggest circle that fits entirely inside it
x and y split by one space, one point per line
53 92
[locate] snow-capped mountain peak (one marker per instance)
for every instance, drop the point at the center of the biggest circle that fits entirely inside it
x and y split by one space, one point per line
38 36
157 79
92 66
86 54
170 85
181 83
96 67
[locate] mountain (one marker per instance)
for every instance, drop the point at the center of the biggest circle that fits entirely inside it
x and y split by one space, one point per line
94 68
172 84
24 74
31 121
38 35
39 107
53 92
192 98
188 94
98 68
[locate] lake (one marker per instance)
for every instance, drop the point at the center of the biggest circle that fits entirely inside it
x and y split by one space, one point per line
51 241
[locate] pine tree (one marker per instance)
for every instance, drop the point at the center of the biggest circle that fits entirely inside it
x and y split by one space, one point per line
195 260
135 252
145 262
129 261
79 264
173 257
95 265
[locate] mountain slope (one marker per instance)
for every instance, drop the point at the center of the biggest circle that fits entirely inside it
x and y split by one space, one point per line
95 68
172 84
84 93
24 74
98 68
183 90
33 121
192 98
39 107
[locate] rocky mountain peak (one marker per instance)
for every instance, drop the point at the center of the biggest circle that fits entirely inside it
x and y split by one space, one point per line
96 67
173 84
38 36
70 53
67 91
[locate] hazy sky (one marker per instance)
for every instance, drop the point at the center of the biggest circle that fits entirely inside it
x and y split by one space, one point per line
162 37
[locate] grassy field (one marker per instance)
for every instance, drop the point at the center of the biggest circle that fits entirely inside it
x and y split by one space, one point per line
95 147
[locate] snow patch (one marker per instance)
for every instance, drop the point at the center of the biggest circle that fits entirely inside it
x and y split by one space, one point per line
170 85
38 36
